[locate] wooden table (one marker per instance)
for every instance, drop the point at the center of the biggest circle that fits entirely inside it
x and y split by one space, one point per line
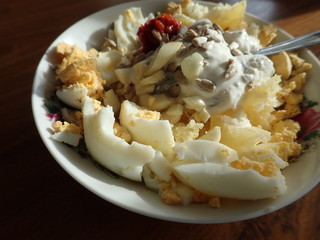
39 200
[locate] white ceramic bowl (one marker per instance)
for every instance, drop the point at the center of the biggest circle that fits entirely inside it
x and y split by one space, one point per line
301 176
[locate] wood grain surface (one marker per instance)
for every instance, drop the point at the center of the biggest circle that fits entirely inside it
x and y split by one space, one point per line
39 200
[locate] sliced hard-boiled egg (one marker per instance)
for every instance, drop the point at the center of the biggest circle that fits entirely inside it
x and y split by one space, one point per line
214 134
204 165
146 128
156 172
107 62
204 151
109 150
265 151
67 137
222 180
73 95
111 99
126 27
243 138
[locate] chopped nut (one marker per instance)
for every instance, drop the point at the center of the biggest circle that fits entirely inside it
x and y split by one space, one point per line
192 33
213 35
108 45
157 35
206 84
174 91
236 52
231 70
217 27
199 41
179 77
203 30
164 85
179 36
165 38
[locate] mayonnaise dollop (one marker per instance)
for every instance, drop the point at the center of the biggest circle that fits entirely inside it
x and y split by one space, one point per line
225 71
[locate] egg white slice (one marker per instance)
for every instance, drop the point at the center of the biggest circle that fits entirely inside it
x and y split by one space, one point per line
224 181
126 27
67 137
204 151
109 150
156 172
72 95
144 129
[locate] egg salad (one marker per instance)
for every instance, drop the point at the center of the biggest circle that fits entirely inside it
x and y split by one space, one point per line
177 102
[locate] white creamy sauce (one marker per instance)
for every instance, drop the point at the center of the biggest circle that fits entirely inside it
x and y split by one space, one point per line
242 40
230 74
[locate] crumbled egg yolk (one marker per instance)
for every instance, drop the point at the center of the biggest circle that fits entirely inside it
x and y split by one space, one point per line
70 53
187 132
77 68
267 169
66 127
83 72
169 196
121 132
285 131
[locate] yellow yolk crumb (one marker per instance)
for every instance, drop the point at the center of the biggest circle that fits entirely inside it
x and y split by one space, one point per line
267 169
84 72
121 132
186 132
286 130
71 53
66 127
169 196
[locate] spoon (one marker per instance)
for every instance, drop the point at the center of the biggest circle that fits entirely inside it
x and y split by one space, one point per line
292 44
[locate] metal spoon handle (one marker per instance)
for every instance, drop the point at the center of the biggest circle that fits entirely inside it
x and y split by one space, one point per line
292 44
